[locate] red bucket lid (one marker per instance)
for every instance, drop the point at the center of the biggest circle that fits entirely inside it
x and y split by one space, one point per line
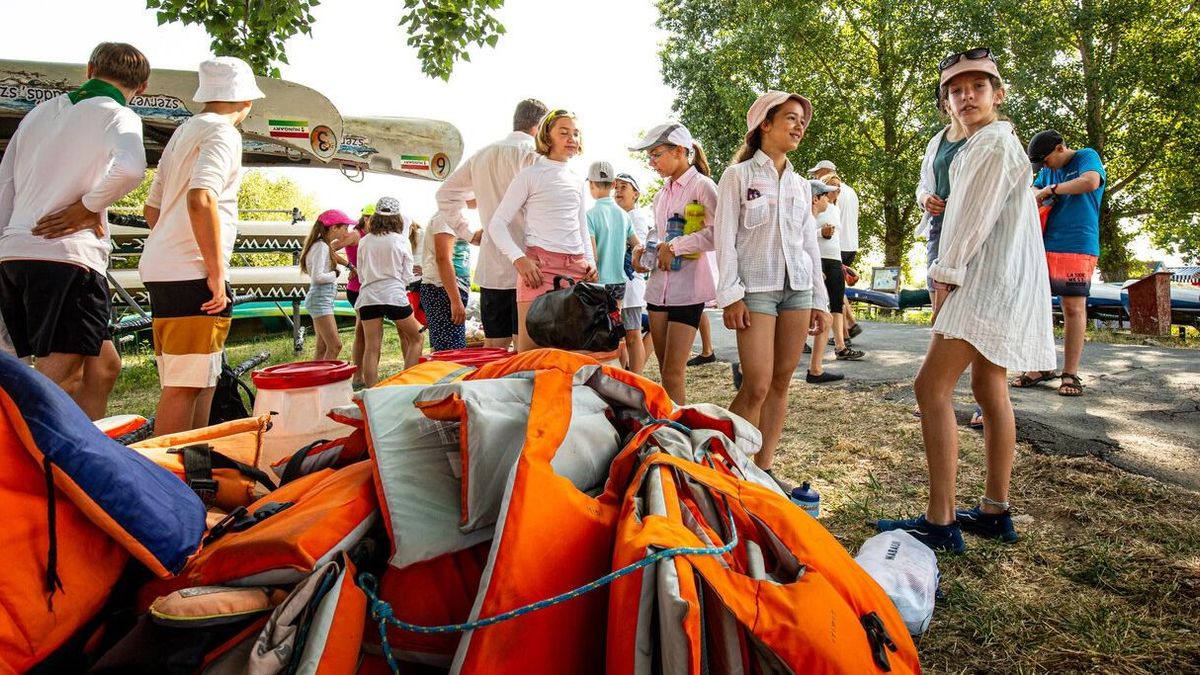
302 374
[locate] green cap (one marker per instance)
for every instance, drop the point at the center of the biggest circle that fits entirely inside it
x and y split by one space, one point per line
369 209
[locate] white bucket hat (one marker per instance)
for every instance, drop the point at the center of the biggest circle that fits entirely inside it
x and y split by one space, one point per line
226 78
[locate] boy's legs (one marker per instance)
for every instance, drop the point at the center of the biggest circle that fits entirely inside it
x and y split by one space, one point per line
99 375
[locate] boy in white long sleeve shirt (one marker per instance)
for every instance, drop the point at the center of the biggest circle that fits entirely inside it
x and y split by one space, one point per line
69 160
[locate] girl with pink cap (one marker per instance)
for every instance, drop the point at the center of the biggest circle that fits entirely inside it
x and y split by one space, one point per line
991 309
768 262
319 260
682 283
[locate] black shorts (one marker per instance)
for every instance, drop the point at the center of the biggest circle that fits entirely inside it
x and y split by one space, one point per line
352 296
685 314
848 257
835 283
498 312
54 308
393 312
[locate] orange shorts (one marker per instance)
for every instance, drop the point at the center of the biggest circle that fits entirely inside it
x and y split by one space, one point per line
1070 273
551 265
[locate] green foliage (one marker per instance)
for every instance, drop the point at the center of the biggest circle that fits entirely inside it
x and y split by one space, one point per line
135 200
259 191
1119 76
442 31
865 64
1116 75
253 30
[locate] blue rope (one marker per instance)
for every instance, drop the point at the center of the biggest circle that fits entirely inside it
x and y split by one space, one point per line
381 610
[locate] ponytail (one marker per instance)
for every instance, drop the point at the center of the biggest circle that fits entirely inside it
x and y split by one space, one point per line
700 160
313 236
749 147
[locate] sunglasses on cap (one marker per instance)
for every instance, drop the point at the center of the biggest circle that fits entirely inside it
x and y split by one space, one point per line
970 55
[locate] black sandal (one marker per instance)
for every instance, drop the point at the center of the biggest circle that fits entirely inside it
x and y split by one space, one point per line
1026 381
1071 385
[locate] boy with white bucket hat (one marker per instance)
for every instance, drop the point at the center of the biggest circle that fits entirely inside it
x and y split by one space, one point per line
191 209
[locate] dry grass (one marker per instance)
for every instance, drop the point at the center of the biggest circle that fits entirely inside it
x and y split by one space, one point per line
1105 579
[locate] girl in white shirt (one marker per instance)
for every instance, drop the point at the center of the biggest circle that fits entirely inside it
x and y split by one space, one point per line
319 260
385 266
991 310
768 263
557 241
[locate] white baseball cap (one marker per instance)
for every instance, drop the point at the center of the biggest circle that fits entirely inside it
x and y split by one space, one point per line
601 172
226 78
672 133
823 164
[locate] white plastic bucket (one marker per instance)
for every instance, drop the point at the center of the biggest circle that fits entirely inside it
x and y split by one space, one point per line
301 394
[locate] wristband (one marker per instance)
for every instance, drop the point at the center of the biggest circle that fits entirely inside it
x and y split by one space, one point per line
1054 189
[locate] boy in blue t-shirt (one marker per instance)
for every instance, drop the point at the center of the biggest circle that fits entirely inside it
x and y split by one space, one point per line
1073 181
611 230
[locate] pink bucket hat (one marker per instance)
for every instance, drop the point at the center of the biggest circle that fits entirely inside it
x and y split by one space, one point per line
757 113
334 217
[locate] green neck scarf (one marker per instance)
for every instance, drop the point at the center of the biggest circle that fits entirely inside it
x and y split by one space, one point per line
96 88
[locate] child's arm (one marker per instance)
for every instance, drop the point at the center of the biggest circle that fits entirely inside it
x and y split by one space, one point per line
318 265
452 198
218 155
730 289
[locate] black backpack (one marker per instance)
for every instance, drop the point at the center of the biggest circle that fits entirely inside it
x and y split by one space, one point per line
228 403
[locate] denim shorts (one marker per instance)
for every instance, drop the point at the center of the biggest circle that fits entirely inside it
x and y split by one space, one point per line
774 302
320 298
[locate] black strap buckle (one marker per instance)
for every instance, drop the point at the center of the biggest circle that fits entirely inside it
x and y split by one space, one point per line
881 642
205 489
217 531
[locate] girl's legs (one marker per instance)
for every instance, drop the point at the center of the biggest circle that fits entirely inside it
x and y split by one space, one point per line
356 351
524 343
372 339
989 384
787 352
817 360
329 343
706 345
411 340
675 354
944 364
658 336
839 342
635 350
756 351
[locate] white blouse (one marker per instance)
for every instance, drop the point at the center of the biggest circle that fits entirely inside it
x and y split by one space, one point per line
385 268
551 197
831 249
991 249
765 233
320 267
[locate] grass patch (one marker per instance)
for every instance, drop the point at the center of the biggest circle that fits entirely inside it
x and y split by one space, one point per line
1106 577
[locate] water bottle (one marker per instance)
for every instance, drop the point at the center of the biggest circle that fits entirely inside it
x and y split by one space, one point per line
675 225
808 499
650 256
693 216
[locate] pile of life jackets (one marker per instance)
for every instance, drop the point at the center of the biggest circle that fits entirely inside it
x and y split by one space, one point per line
540 514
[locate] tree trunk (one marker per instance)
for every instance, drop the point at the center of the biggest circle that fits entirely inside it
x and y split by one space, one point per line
894 250
1114 250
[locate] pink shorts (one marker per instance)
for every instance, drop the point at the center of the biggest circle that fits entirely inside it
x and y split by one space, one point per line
551 264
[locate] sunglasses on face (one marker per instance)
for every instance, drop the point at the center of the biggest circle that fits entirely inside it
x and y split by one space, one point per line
970 55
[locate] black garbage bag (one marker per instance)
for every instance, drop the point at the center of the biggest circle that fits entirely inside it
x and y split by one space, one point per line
579 317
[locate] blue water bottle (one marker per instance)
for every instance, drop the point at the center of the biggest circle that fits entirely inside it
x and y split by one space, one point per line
675 225
808 499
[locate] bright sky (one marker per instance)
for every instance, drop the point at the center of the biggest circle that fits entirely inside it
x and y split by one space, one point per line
605 67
